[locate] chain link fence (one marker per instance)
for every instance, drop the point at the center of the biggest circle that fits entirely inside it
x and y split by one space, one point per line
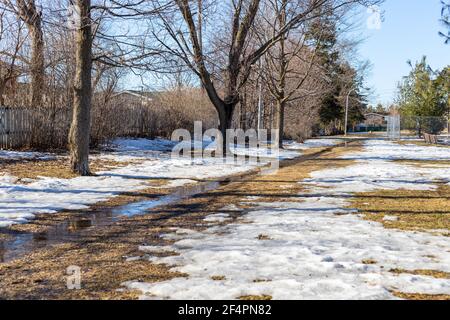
413 125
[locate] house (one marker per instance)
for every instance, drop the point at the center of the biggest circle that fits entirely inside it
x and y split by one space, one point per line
134 97
373 122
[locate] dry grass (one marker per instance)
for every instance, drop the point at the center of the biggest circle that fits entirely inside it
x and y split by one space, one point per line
415 210
430 273
263 237
54 168
418 296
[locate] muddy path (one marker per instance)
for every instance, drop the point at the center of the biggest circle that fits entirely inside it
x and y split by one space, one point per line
104 241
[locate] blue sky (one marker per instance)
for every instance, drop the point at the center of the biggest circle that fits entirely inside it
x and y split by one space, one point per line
409 31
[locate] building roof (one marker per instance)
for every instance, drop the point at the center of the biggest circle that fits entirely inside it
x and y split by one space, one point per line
375 114
149 96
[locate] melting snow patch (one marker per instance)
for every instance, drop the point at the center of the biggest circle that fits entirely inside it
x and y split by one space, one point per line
390 218
220 217
312 143
388 150
17 155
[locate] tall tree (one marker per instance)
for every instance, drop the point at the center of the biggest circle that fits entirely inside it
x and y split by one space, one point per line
423 96
224 78
32 17
281 70
12 39
82 91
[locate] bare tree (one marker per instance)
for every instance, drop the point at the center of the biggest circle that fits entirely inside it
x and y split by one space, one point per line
224 79
12 39
281 72
32 17
82 90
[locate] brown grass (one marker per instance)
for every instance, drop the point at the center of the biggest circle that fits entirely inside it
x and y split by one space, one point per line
369 261
418 296
415 210
430 273
54 168
264 237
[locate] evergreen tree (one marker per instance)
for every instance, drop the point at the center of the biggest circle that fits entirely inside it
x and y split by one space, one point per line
423 96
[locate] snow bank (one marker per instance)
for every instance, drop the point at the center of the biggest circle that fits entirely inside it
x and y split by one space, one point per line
310 251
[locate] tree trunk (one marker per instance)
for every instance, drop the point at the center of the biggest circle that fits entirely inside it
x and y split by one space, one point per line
2 91
226 119
279 118
281 95
82 93
33 20
37 63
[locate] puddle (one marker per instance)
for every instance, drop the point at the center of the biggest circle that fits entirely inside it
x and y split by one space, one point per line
19 244
139 208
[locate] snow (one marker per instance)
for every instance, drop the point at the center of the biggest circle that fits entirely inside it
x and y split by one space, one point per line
148 160
388 150
312 143
15 155
312 252
220 217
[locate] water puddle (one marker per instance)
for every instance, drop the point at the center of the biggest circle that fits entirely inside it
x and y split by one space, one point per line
19 244
143 207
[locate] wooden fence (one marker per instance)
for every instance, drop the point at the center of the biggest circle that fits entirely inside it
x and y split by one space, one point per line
48 128
15 127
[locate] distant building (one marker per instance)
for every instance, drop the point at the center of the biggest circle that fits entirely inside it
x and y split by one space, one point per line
373 122
134 97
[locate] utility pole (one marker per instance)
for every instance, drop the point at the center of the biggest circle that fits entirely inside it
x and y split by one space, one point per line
260 99
260 106
346 109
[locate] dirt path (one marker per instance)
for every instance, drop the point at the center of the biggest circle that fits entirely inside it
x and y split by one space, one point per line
103 252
